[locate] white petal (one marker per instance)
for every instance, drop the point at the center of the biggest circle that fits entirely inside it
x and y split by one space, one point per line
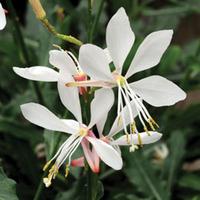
158 91
37 73
61 60
108 55
94 62
117 127
2 18
41 116
101 104
145 138
73 124
150 51
107 153
100 124
69 95
119 37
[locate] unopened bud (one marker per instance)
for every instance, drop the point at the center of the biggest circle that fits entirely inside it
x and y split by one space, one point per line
38 9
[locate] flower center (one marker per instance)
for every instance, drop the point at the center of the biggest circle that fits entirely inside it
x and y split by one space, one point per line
127 97
83 132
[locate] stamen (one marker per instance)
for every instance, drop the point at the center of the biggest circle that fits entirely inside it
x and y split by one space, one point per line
46 165
52 174
146 130
152 120
151 125
119 121
133 127
66 170
139 140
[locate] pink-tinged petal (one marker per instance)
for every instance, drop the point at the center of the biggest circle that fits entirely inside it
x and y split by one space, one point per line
62 61
119 38
79 162
2 18
100 105
106 153
90 156
133 138
69 95
41 116
37 73
94 62
158 91
150 51
81 77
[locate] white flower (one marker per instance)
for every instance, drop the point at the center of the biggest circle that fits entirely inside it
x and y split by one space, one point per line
64 61
133 140
2 18
155 90
80 133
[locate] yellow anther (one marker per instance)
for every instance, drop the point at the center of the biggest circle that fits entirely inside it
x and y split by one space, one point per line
46 165
146 130
151 125
119 120
52 174
153 121
66 170
133 127
83 132
140 140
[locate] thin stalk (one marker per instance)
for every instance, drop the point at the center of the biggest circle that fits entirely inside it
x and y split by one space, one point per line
92 184
41 15
89 19
96 20
92 178
40 187
64 37
22 45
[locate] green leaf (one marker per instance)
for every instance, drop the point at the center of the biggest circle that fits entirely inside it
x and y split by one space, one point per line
7 187
177 151
190 181
141 173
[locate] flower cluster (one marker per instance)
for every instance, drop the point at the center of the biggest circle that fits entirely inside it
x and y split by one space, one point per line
92 69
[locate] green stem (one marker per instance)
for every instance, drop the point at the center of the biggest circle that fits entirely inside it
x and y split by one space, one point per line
89 19
23 47
52 30
96 20
40 188
92 184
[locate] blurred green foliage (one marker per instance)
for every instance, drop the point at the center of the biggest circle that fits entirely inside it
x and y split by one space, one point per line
144 176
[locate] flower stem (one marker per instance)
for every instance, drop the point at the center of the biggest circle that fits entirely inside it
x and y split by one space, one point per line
96 20
41 15
40 187
92 184
22 45
52 30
